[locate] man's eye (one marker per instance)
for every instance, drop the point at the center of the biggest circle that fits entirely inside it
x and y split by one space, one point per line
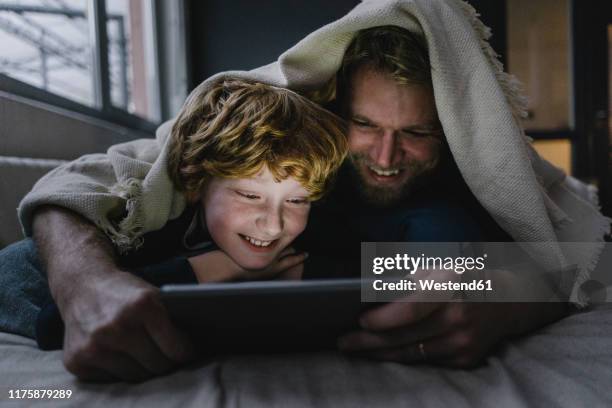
362 123
415 134
247 195
420 134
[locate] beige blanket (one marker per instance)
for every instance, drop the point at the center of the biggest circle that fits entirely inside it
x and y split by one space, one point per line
478 106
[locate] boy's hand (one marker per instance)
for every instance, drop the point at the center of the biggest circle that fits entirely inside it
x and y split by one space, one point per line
217 266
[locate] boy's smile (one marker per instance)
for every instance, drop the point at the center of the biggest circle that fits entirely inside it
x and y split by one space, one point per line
254 219
259 245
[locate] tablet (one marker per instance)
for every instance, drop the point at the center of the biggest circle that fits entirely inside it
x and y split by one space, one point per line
265 316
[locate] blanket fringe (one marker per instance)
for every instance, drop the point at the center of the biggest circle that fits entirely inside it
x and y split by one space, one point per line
581 299
127 234
511 86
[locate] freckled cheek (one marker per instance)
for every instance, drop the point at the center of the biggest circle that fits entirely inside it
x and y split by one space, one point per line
295 221
220 226
223 218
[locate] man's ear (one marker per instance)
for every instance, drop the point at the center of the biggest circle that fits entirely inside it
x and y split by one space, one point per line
192 197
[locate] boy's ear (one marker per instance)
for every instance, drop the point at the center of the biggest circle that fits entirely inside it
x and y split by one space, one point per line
194 197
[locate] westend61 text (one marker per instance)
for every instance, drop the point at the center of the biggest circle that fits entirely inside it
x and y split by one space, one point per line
430 284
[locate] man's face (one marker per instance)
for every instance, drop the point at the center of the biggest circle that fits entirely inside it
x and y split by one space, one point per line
253 219
395 138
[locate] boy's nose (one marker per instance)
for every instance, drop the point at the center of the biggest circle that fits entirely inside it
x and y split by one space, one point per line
270 222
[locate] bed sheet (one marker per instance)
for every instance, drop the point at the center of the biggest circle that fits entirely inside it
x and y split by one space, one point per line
567 364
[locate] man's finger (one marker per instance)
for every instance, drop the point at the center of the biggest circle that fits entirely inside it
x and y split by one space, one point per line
369 340
172 343
135 341
111 366
366 340
405 354
457 348
92 374
436 350
397 314
123 367
143 349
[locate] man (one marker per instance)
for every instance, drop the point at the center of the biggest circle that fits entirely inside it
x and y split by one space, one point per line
110 314
399 161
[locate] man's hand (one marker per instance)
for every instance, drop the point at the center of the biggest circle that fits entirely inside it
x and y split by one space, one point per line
217 266
454 334
119 329
116 327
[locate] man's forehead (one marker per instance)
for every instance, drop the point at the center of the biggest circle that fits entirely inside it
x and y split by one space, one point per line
378 97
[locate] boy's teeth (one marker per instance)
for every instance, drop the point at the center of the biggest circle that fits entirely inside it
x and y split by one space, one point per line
385 172
257 242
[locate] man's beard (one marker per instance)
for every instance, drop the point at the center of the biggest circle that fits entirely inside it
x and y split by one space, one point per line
420 173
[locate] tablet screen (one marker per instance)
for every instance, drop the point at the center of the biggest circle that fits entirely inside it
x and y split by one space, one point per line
265 316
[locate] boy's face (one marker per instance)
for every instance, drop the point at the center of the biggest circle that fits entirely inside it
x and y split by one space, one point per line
254 219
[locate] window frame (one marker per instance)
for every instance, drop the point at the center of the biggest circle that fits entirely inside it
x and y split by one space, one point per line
103 107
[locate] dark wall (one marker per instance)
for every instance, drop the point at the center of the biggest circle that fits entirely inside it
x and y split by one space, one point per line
244 34
592 153
493 15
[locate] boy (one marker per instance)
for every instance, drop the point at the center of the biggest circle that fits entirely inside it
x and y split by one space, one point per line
249 158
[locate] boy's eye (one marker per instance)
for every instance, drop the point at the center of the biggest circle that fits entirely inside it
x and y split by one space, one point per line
299 201
250 196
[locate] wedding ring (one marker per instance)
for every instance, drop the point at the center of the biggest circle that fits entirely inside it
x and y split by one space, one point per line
422 351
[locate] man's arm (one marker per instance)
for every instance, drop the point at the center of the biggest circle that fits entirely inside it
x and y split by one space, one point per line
116 326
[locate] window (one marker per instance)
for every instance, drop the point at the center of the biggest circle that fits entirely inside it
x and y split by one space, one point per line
98 57
47 46
132 57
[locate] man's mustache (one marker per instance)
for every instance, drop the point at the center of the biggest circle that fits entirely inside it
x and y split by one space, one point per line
360 158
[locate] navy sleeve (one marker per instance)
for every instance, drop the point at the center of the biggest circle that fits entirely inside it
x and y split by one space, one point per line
172 271
442 224
324 266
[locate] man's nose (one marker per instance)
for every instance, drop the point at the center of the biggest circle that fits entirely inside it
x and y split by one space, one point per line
385 151
270 221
